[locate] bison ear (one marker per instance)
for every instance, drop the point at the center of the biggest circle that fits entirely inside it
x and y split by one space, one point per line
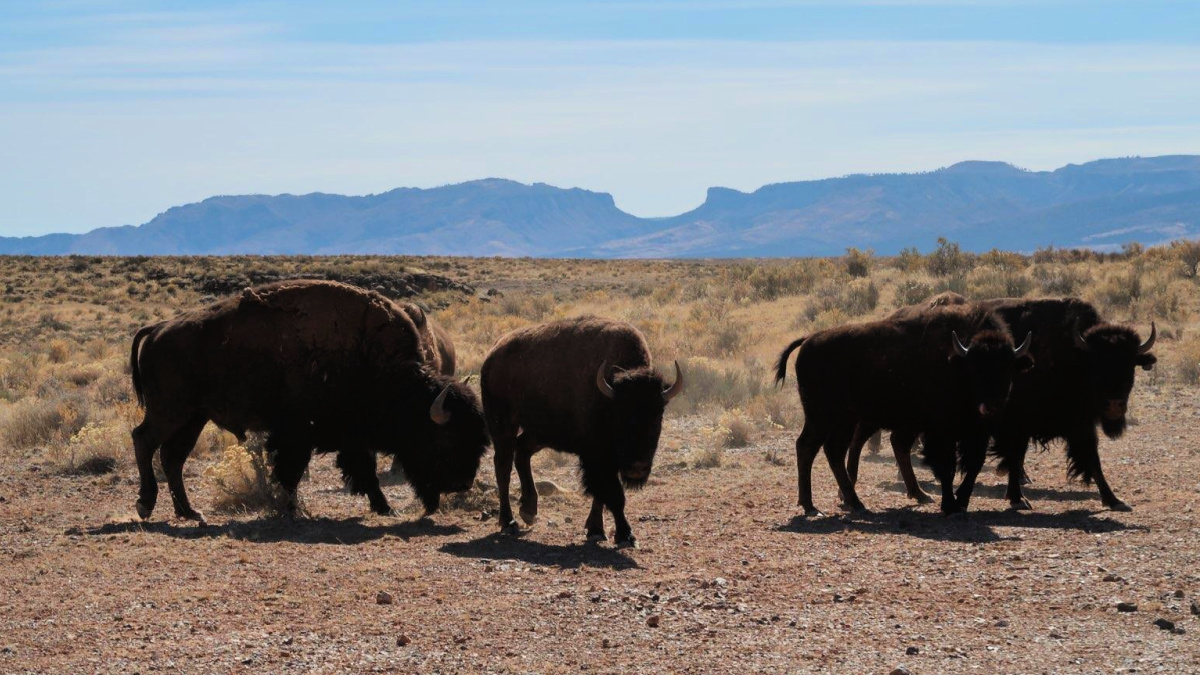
1146 361
1024 363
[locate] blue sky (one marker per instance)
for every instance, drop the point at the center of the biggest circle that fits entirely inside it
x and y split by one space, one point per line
112 111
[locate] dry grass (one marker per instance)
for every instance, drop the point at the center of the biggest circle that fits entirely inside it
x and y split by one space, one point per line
241 480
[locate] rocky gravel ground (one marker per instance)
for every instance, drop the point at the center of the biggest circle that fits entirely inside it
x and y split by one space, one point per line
728 577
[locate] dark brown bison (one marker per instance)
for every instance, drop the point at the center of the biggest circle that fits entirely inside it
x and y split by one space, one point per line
913 376
583 386
1083 380
320 367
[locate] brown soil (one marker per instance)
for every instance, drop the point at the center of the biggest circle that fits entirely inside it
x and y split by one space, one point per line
737 581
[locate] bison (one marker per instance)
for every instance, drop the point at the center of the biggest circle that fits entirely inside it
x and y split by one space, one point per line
437 349
1084 378
911 375
582 386
320 367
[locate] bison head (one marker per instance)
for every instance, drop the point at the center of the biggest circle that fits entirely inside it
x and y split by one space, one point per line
988 365
1113 354
637 399
444 440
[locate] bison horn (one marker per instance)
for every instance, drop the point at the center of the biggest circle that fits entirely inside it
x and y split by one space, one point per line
437 411
676 386
958 345
1079 341
602 384
1145 346
1024 348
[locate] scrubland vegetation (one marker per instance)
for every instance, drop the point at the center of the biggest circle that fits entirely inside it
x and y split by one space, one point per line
65 325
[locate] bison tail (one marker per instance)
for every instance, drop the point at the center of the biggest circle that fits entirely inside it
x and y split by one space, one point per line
781 366
134 370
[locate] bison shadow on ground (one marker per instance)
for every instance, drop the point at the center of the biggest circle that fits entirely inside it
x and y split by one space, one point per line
976 527
346 531
500 546
1034 494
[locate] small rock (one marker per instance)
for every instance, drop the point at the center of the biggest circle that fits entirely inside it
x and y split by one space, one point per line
1057 635
402 640
461 639
563 595
653 620
900 670
606 643
384 598
1126 607
1178 593
288 640
489 568
547 488
1178 630
1112 577
1165 624
912 651
1001 624
1195 607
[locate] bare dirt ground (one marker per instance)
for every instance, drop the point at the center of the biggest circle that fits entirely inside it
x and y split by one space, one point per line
728 579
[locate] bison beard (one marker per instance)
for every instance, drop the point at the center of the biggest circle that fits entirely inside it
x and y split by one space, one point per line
582 386
317 366
911 375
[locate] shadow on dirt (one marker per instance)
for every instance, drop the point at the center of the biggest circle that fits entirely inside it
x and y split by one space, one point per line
500 546
1033 494
346 531
976 527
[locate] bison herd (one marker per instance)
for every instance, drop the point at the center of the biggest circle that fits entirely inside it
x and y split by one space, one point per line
322 367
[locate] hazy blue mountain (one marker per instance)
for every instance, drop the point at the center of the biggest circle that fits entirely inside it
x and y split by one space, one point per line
979 204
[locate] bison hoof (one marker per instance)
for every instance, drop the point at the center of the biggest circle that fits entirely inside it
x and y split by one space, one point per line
530 517
813 512
1020 505
922 498
511 528
596 538
1119 505
144 511
627 542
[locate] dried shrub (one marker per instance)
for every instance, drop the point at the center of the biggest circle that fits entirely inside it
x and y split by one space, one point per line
242 481
991 281
911 292
858 263
706 456
948 259
734 429
58 351
1187 253
94 449
1060 280
33 422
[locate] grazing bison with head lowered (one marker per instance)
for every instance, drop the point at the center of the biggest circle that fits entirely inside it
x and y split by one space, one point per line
912 376
1084 377
320 366
583 386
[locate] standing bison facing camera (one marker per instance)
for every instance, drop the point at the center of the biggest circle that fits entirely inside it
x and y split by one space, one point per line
583 386
320 367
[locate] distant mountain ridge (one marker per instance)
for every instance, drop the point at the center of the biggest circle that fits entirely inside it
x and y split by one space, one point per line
981 205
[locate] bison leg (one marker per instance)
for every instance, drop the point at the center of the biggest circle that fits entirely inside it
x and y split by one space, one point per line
595 521
503 460
835 453
807 447
145 441
359 471
1083 453
604 485
974 451
863 433
902 444
939 454
529 495
1011 449
289 460
175 451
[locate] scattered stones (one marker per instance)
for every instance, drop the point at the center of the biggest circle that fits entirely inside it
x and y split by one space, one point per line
653 620
402 640
384 598
912 651
1165 624
1126 607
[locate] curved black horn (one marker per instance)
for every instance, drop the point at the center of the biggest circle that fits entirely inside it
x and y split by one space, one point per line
1149 343
958 345
676 386
437 411
602 383
1024 348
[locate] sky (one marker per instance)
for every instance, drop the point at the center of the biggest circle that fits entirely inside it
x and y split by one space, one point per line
112 111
